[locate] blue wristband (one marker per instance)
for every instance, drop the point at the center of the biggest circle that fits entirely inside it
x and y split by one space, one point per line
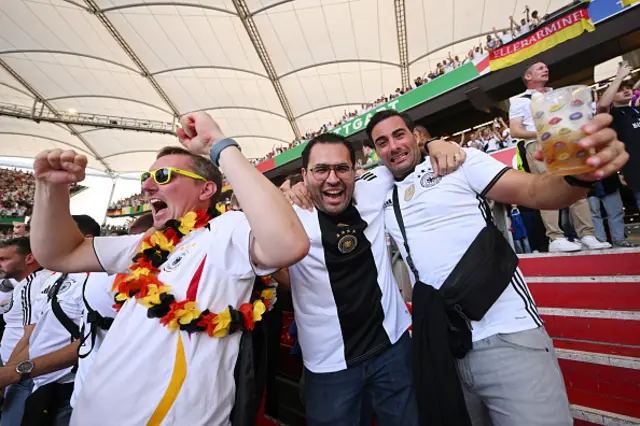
215 151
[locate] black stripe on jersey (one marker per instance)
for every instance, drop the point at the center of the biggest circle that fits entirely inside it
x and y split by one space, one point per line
495 179
353 277
26 305
367 177
518 284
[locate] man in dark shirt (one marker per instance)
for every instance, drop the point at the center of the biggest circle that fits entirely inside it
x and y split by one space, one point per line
626 122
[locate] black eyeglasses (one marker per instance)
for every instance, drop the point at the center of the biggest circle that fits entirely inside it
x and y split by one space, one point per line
322 171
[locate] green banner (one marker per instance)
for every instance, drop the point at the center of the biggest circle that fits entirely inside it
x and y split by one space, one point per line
415 97
8 220
407 101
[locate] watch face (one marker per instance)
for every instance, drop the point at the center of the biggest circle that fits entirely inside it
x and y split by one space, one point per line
25 367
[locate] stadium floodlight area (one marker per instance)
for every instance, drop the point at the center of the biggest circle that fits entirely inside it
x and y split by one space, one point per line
85 119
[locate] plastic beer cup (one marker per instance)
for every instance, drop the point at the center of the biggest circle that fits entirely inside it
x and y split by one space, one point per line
558 116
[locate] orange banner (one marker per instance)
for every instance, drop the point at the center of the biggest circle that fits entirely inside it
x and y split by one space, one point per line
561 29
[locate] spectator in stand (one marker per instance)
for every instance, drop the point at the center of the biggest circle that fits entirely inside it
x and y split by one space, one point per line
607 192
619 100
535 21
505 37
521 125
518 231
492 43
20 229
422 136
369 152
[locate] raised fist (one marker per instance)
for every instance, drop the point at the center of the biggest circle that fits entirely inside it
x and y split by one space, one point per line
199 132
59 167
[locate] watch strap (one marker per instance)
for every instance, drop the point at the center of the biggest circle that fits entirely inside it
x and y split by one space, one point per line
574 181
218 147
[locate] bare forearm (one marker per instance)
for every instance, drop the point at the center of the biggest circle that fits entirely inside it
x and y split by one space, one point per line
55 238
521 133
549 192
21 351
274 224
607 97
54 361
53 231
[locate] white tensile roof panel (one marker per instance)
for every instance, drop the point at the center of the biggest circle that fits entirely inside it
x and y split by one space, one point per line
155 60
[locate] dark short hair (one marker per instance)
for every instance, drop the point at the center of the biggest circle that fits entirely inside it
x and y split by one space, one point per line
142 223
22 245
368 144
327 138
87 225
200 166
294 178
527 70
383 115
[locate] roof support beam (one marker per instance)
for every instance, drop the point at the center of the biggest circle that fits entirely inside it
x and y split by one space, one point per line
40 98
125 46
252 30
403 48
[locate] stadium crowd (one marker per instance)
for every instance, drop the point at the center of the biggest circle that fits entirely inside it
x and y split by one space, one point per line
16 192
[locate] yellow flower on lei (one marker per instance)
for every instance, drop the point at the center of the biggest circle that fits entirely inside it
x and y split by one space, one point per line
160 240
184 316
258 309
153 295
222 322
187 223
267 293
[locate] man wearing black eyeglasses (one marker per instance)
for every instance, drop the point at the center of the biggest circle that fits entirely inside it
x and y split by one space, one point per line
352 320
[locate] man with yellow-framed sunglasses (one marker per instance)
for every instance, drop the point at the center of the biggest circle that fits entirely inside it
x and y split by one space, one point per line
210 269
163 175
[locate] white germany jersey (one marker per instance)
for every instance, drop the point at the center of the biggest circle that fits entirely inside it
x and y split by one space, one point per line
49 335
442 217
132 373
97 294
347 304
21 311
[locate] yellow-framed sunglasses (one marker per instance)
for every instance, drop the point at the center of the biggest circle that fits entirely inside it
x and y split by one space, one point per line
163 175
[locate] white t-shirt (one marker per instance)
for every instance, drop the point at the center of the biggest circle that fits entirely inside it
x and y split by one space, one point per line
521 108
442 217
347 304
97 293
506 38
49 335
492 145
523 29
132 371
21 311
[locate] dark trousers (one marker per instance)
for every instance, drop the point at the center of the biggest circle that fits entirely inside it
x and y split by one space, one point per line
385 381
49 406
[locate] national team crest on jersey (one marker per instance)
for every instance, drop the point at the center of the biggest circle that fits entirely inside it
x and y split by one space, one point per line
6 306
348 242
428 180
63 287
173 263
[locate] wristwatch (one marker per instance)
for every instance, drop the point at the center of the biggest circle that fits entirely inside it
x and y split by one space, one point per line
215 151
574 181
24 369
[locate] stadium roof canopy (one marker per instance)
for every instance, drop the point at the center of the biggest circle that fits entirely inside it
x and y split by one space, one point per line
267 70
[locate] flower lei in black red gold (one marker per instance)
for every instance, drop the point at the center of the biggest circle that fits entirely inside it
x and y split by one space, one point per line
142 284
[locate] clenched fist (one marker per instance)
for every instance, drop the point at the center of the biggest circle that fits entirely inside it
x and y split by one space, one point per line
199 132
59 167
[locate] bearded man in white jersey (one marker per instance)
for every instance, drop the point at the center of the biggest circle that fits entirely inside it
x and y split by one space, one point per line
186 292
17 262
510 375
351 318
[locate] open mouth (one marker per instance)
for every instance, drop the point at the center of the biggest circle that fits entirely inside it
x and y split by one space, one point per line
158 206
398 158
333 194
